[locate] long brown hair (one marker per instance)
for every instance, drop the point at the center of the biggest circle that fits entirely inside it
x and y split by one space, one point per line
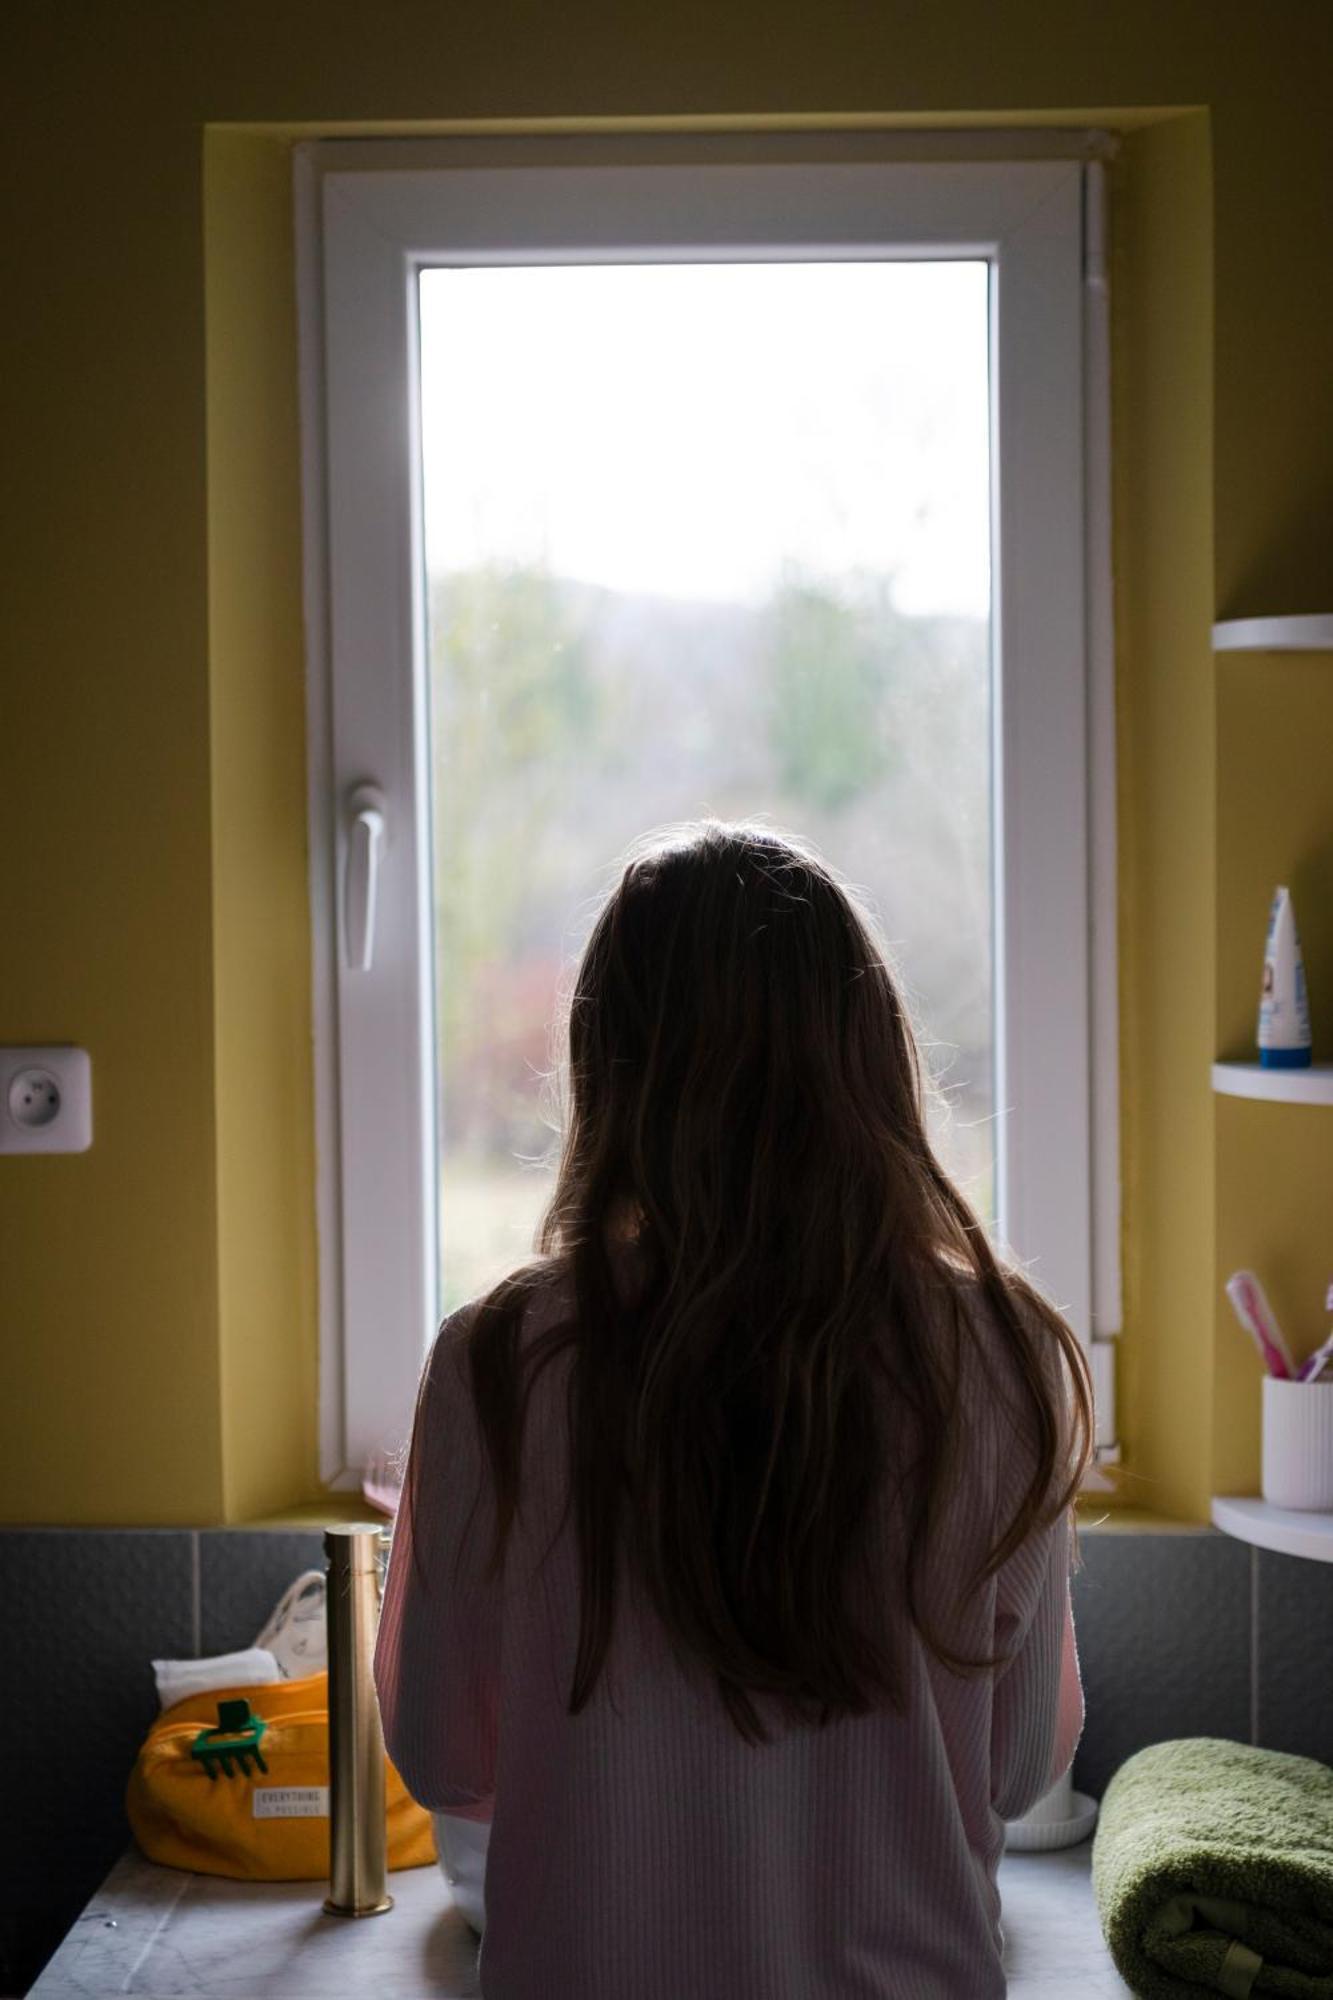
744 1087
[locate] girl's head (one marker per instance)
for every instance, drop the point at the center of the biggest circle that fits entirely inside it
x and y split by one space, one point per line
745 1102
741 1069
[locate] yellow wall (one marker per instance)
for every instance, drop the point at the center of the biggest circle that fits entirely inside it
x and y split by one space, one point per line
265 1162
1162 501
157 1294
1274 1161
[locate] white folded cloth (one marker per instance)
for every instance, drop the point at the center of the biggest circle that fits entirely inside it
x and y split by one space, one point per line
254 1666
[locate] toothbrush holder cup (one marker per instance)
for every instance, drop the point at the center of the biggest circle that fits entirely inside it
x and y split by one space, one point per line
1298 1445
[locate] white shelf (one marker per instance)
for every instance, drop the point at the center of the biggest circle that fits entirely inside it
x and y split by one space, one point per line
1285 1530
1275 635
1281 1086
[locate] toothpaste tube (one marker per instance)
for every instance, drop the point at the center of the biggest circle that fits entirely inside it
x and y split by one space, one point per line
1284 1008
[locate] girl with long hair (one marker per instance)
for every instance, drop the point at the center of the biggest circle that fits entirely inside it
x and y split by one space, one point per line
727 1615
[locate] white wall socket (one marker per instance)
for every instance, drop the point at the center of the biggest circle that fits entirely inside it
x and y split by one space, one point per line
46 1100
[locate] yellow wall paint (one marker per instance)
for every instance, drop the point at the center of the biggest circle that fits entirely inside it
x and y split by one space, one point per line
1274 1161
1274 1181
1274 824
109 1360
1162 552
161 1291
265 1133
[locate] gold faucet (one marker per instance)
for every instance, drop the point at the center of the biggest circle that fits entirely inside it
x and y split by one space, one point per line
358 1833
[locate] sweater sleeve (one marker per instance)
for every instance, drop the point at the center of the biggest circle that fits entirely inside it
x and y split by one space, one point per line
437 1650
1037 1716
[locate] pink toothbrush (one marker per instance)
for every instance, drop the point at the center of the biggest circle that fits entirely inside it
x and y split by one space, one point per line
1322 1357
1319 1361
1256 1316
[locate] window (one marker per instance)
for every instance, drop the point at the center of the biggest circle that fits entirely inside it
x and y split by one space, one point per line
647 480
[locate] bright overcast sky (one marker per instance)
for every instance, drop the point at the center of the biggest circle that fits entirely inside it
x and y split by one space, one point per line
685 429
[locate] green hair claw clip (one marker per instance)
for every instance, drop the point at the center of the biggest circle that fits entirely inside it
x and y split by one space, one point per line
236 1737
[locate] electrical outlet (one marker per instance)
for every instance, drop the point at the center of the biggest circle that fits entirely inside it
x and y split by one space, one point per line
46 1100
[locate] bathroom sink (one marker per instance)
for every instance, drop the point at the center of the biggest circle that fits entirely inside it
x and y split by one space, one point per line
164 1932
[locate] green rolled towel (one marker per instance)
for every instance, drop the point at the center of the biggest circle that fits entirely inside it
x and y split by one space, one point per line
1213 1872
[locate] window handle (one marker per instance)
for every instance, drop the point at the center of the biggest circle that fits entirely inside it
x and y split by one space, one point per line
365 837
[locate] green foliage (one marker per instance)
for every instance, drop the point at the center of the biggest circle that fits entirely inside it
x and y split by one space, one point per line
831 657
515 665
514 696
568 718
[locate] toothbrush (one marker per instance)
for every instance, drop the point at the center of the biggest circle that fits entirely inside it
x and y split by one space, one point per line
1322 1356
1321 1359
1256 1316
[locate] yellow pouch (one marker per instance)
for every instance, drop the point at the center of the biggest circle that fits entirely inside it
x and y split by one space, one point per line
266 1825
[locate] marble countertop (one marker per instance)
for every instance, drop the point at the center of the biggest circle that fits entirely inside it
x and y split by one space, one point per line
165 1932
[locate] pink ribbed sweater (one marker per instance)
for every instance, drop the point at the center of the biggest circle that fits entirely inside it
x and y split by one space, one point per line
642 1850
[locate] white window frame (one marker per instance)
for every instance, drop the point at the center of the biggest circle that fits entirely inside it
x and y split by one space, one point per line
370 216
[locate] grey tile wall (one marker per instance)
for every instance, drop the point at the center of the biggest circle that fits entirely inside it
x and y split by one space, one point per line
1163 1623
1294 1655
1180 1634
84 1615
242 1574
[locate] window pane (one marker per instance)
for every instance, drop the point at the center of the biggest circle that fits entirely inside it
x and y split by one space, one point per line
699 538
